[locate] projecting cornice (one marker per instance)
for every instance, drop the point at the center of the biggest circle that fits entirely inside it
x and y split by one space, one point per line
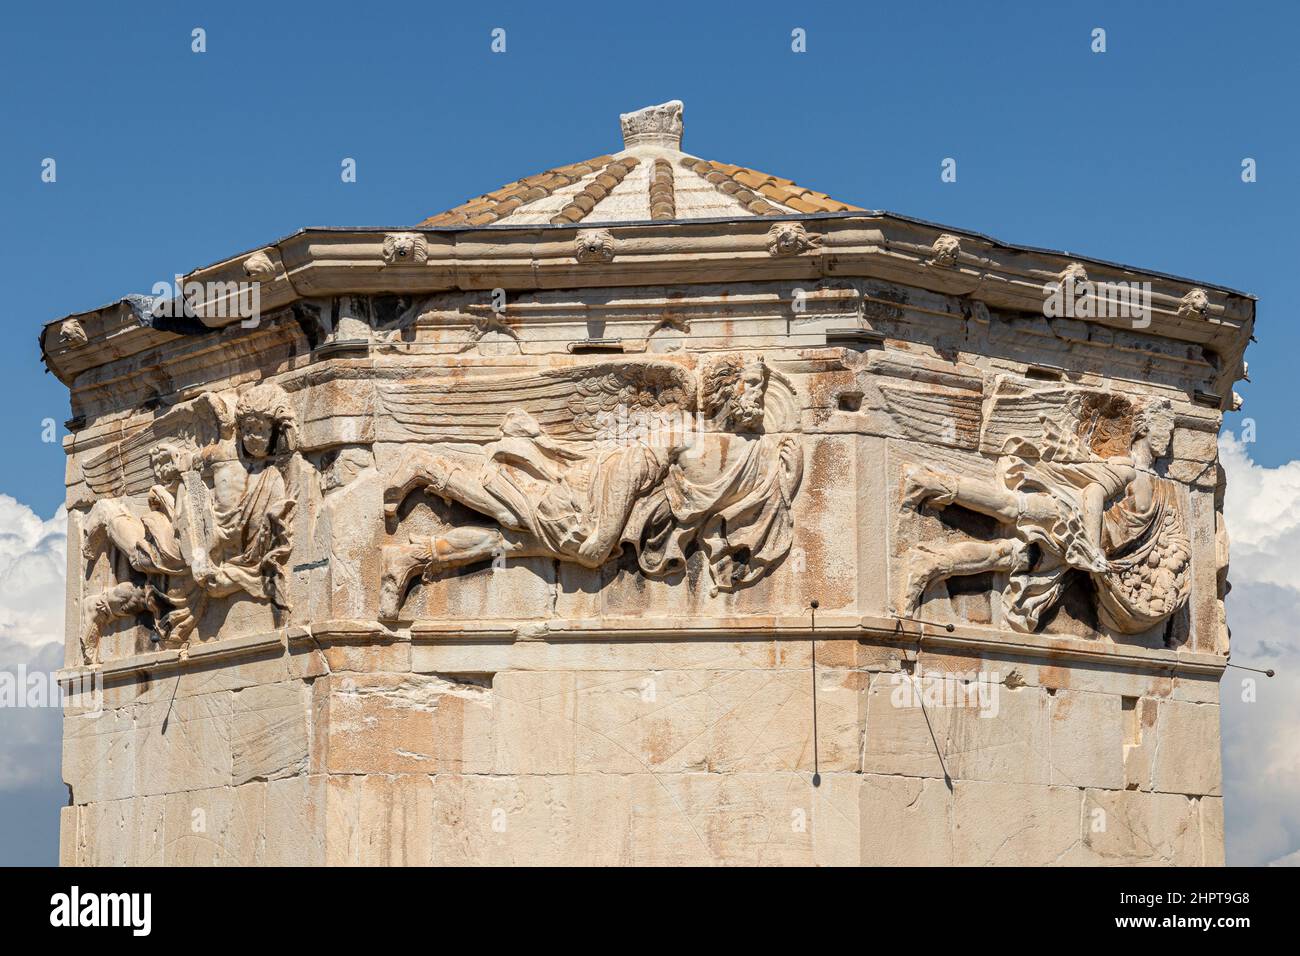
321 262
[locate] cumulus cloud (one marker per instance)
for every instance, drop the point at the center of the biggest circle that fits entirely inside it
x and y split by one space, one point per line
1261 749
32 568
33 562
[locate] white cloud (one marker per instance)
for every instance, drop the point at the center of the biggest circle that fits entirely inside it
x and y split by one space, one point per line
1263 512
33 563
32 569
1261 749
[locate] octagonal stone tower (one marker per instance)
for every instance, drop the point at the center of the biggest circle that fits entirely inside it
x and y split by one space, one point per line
496 539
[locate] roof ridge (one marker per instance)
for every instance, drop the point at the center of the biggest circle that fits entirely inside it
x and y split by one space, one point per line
663 198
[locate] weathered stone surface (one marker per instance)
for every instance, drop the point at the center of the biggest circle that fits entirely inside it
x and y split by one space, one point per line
269 732
906 821
408 724
1086 739
1129 828
380 820
1186 759
183 744
1010 824
99 752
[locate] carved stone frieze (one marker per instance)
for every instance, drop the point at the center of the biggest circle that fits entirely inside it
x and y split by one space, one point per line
1076 490
662 471
217 516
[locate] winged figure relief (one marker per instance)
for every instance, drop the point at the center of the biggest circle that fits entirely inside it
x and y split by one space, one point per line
1075 488
216 515
574 464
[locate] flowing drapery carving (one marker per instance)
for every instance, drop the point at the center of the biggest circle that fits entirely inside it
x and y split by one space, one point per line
218 513
641 471
1080 494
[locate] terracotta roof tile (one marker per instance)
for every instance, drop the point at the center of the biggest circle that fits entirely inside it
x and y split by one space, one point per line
582 204
663 199
733 180
491 206
759 193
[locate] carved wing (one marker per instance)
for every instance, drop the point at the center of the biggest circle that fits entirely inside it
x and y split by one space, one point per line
934 413
1062 422
576 402
124 467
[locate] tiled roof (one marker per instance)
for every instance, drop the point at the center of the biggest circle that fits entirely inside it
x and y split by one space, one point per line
758 191
650 179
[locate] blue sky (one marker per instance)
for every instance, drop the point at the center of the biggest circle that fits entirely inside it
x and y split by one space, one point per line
168 160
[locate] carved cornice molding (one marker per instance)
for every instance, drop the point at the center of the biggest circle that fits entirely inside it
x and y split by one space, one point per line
321 262
830 627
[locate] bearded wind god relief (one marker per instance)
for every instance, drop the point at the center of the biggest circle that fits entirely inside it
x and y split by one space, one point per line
1075 489
215 522
587 460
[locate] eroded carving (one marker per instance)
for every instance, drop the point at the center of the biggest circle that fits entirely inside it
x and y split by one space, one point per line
405 248
945 250
659 125
1084 497
1071 275
652 475
218 513
1194 305
791 239
72 334
593 245
259 267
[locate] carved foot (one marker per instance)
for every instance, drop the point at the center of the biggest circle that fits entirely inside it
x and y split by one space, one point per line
402 562
924 565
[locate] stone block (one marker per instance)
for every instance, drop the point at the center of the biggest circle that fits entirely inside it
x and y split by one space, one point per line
1086 740
408 724
270 732
183 744
1186 758
1014 824
906 821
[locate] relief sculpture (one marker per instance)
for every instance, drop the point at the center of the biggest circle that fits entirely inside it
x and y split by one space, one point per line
216 521
1080 495
634 457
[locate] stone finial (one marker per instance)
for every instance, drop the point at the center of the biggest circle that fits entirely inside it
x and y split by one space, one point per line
653 125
